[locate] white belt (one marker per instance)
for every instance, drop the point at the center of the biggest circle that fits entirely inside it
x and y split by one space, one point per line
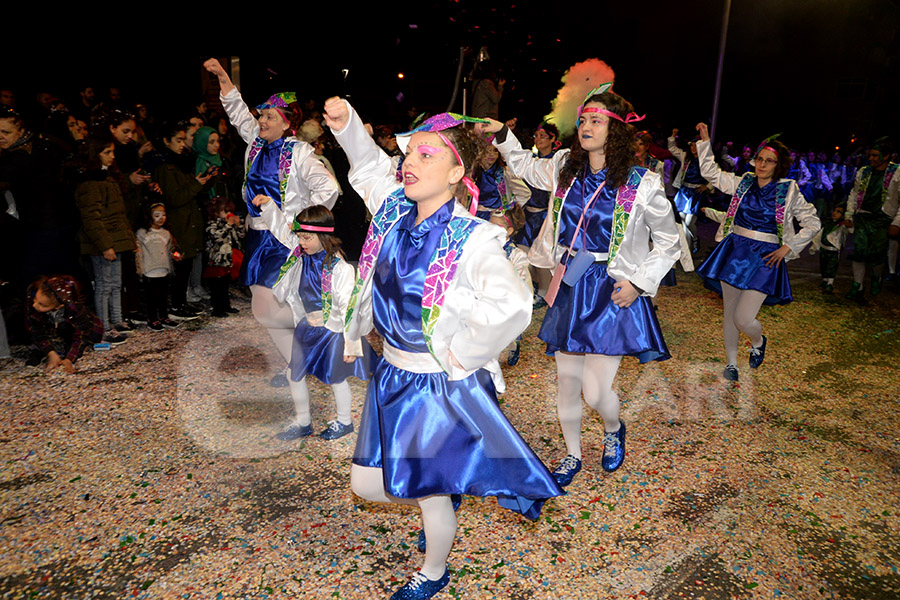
755 235
415 362
693 186
598 256
535 209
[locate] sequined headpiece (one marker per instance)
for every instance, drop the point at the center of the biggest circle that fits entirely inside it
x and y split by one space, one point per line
435 125
282 100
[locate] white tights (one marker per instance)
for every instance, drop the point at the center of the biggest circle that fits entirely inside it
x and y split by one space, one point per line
438 516
276 317
893 251
592 374
741 308
300 396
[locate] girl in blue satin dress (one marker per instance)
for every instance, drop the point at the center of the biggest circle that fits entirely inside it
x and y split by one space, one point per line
605 211
756 238
317 282
436 284
284 169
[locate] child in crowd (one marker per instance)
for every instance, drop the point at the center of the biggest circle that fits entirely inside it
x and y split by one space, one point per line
105 233
316 282
61 326
830 240
224 232
155 263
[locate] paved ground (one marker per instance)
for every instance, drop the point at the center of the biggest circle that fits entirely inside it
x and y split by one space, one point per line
153 473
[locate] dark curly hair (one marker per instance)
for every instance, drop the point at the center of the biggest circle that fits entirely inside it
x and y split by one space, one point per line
619 145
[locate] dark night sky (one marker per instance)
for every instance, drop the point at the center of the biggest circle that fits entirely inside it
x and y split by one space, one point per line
817 70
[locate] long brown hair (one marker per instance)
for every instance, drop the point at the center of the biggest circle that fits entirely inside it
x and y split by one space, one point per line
619 145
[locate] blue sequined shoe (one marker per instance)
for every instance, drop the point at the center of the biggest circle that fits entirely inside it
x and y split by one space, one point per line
567 470
421 545
422 588
614 449
294 432
757 355
336 430
513 357
730 373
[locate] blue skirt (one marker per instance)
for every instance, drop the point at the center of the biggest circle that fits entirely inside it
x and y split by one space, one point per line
319 352
432 436
687 200
738 261
533 223
263 257
584 320
669 279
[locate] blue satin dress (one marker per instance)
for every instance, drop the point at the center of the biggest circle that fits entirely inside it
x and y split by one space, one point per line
263 253
489 194
428 434
738 260
534 219
687 200
318 351
583 319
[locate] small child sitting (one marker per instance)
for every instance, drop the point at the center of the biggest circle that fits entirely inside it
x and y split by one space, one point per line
830 240
61 326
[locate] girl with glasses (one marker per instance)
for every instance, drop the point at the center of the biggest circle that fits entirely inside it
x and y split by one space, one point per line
757 236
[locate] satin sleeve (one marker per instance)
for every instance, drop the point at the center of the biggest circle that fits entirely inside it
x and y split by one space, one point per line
651 220
323 187
342 280
521 193
277 224
239 115
805 213
674 149
852 198
540 173
893 200
371 173
500 305
726 182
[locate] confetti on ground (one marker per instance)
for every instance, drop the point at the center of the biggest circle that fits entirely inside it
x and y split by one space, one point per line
154 473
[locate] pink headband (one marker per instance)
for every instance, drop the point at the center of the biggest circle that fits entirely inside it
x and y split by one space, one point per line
316 228
470 185
770 148
629 118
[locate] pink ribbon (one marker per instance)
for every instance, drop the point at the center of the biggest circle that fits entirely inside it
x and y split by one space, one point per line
470 185
629 118
305 227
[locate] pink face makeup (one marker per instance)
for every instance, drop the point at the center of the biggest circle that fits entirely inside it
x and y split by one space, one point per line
426 149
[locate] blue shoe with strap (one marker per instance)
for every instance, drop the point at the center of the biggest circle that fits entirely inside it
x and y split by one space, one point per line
422 588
